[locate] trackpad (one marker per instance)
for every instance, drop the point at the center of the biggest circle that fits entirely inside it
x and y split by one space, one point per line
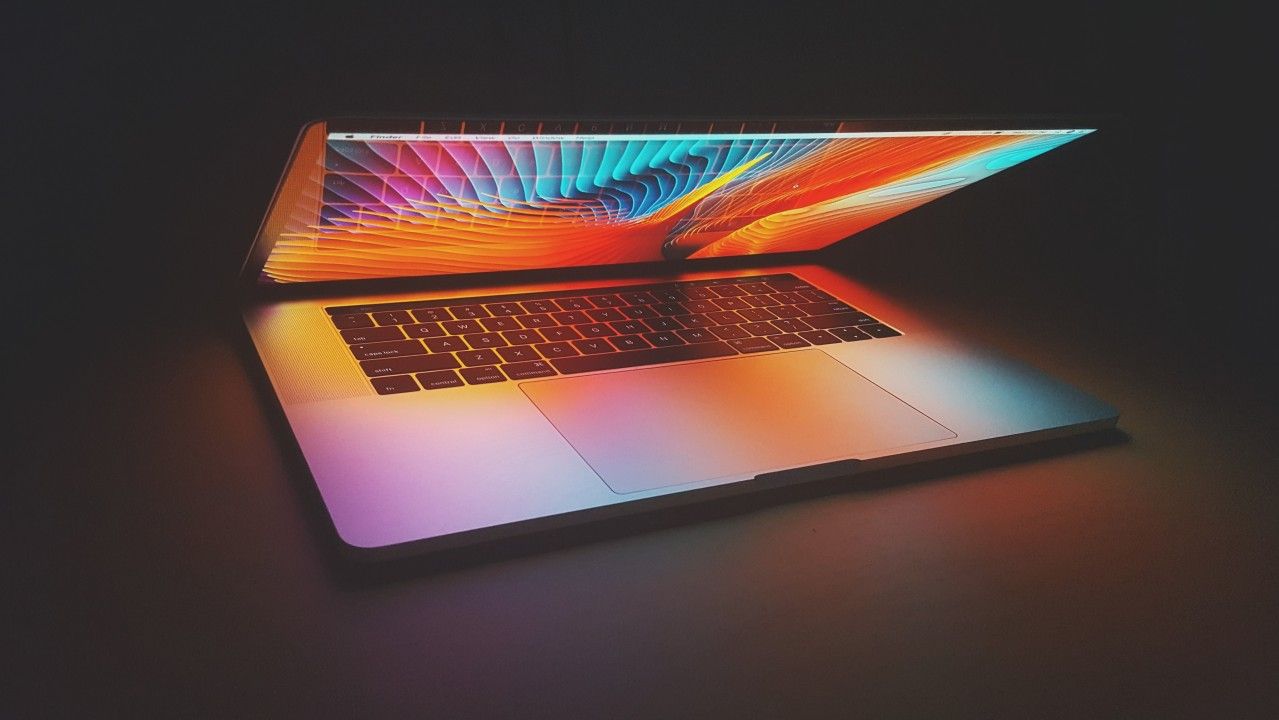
731 418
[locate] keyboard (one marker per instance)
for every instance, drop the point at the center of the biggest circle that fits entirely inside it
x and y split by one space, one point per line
455 342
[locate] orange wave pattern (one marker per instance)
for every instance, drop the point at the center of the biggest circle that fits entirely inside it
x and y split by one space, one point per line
395 208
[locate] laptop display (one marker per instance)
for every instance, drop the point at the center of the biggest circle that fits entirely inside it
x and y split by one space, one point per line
412 204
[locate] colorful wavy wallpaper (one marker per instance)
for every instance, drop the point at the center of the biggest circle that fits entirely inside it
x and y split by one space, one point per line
405 207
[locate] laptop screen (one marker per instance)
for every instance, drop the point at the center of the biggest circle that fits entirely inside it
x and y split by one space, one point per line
448 199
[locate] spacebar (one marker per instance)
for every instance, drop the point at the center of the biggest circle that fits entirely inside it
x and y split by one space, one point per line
612 361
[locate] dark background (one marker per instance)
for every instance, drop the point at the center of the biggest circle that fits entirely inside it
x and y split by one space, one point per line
170 128
163 557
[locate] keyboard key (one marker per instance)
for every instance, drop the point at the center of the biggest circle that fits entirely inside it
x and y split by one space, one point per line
725 317
355 320
701 306
670 309
784 283
444 344
423 330
638 298
398 348
539 306
814 295
697 336
761 301
518 353
393 317
786 342
849 334
629 327
696 321
462 327
729 332
592 346
527 370
756 314
818 337
394 384
878 330
663 339
522 337
668 295
612 361
730 303
432 314
463 312
595 330
410 364
497 324
605 301
825 322
787 298
575 303
555 349
824 308
697 292
606 315
536 321
484 340
556 334
760 328
572 317
665 323
504 309
786 311
758 288
639 312
482 375
439 379
791 326
628 342
727 290
367 335
472 358
752 345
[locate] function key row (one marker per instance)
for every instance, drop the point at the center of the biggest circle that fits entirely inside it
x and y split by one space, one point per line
754 285
632 305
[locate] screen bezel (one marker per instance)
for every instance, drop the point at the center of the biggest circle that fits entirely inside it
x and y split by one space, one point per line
260 250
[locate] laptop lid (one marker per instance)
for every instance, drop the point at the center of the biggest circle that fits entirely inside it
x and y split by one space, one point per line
373 199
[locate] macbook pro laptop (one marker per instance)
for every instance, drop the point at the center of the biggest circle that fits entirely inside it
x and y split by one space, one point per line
482 328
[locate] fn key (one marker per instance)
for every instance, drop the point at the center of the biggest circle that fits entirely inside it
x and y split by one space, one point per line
394 384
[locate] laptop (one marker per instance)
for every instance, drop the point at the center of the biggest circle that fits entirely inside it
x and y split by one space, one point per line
480 328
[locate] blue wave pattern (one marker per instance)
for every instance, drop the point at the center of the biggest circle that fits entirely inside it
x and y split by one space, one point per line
618 179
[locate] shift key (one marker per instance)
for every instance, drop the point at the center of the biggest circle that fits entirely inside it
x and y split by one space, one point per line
848 319
410 364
